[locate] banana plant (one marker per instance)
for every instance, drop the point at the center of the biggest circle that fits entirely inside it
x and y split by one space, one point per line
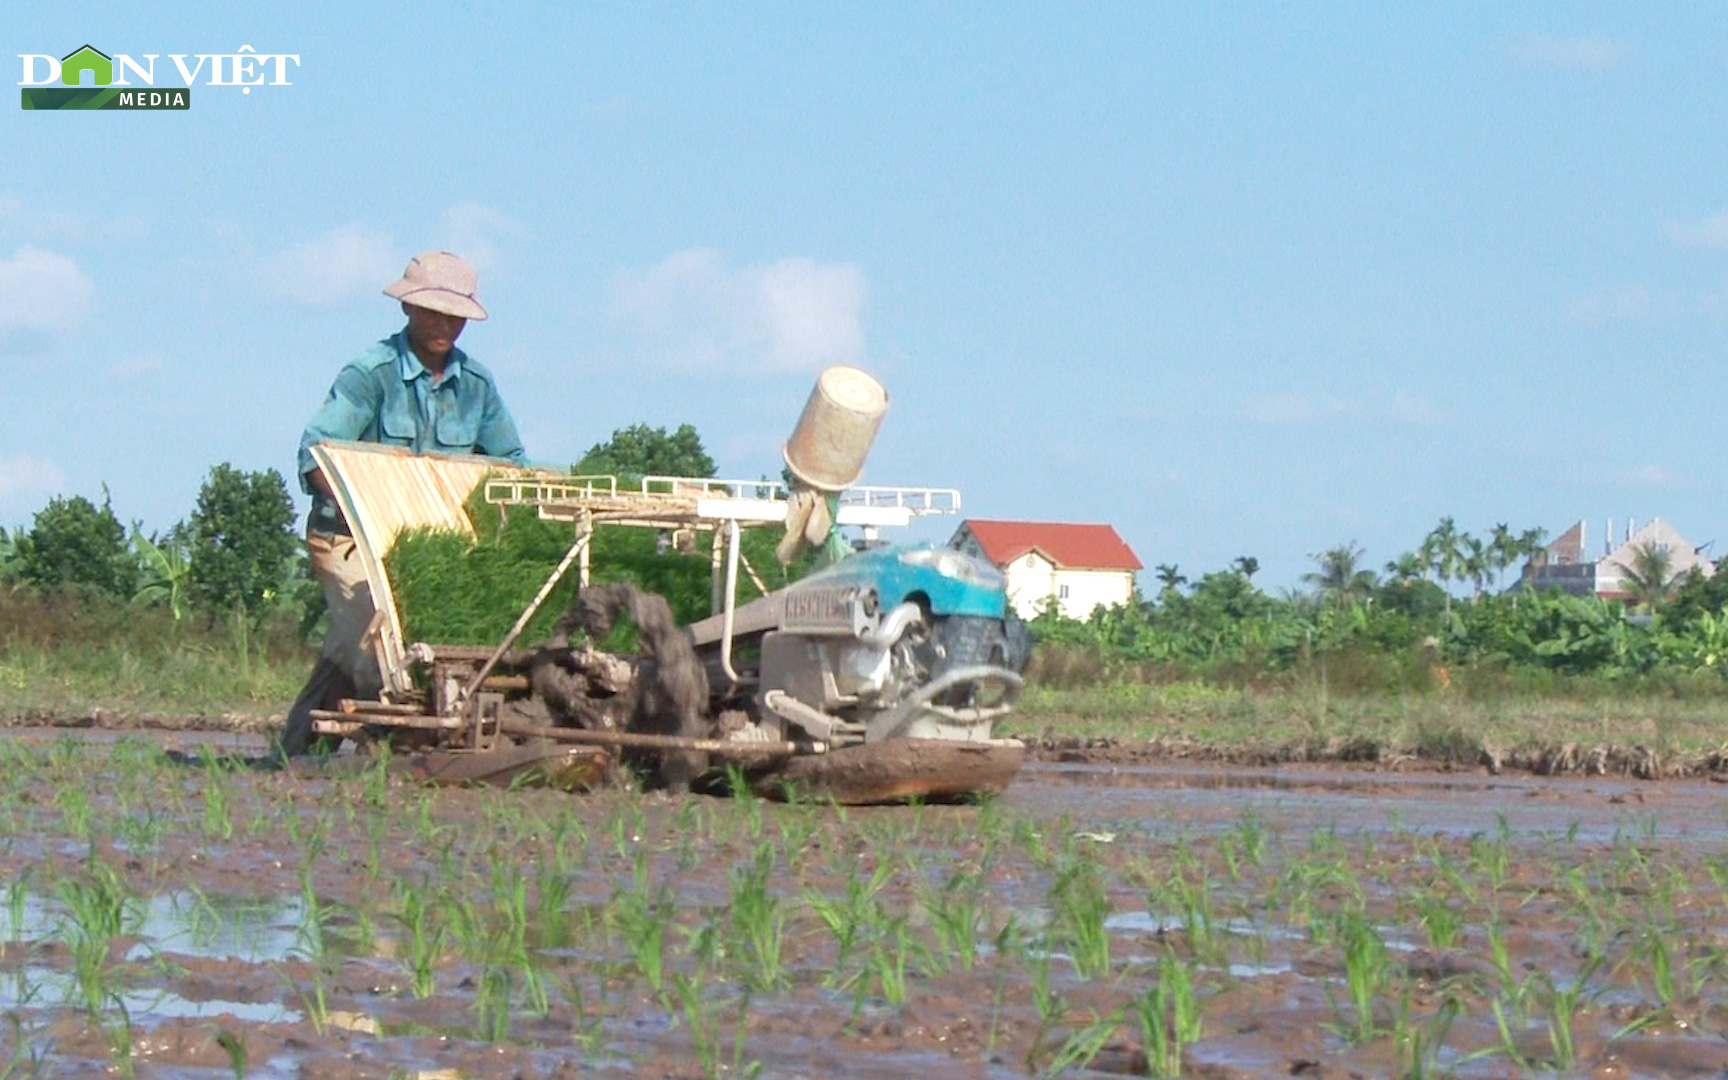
164 567
1705 645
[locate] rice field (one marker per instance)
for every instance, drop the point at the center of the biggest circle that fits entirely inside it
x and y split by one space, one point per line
189 914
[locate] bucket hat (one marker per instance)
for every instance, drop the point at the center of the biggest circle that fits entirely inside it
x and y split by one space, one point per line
439 281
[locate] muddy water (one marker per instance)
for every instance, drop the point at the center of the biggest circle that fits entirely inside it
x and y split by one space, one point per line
1320 797
168 918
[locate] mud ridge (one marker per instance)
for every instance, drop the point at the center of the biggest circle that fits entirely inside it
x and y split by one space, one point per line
104 719
1557 759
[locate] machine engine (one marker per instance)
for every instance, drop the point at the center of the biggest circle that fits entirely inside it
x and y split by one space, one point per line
895 642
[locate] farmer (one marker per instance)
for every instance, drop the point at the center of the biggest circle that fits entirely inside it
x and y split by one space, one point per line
414 389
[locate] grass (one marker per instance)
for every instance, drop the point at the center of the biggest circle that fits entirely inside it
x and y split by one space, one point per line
65 657
956 910
98 909
758 920
423 937
1367 972
1079 908
1168 1016
1302 722
1418 1042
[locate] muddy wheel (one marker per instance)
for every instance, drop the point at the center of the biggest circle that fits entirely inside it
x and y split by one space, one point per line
970 641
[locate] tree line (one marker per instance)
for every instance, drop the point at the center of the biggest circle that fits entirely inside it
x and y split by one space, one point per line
237 555
1402 626
236 552
236 558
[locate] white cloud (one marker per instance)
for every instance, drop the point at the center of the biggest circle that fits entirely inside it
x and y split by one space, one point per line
1710 232
1302 410
1291 410
343 264
472 230
694 313
22 476
1406 408
23 222
41 293
1591 53
1643 478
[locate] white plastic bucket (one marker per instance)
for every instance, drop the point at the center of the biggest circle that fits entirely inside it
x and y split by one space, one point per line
828 447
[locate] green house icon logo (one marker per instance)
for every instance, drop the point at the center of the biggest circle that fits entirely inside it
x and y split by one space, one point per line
99 65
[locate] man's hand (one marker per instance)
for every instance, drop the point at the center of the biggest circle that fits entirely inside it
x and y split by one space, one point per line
316 479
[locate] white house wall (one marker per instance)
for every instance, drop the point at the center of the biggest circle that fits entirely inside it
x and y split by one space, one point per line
1031 578
1682 556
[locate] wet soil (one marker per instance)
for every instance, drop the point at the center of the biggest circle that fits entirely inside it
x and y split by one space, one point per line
166 915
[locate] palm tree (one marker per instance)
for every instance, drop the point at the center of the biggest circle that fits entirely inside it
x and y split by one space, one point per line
1650 578
1341 579
1407 568
1168 576
1503 550
1532 544
1475 563
1440 549
1246 565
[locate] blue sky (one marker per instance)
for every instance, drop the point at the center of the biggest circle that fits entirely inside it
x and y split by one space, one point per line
1241 280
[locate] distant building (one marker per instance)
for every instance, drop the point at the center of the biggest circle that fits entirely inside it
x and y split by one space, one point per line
1566 564
1082 566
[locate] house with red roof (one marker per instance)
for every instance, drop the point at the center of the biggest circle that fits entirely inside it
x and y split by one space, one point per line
1082 566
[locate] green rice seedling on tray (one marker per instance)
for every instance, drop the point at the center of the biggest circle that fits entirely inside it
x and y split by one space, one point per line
451 589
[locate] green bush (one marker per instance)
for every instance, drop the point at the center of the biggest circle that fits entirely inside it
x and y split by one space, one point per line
241 540
73 543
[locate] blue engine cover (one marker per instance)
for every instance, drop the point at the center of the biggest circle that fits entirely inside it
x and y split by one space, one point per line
953 582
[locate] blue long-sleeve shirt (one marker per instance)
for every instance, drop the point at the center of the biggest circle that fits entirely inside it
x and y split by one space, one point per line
388 396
